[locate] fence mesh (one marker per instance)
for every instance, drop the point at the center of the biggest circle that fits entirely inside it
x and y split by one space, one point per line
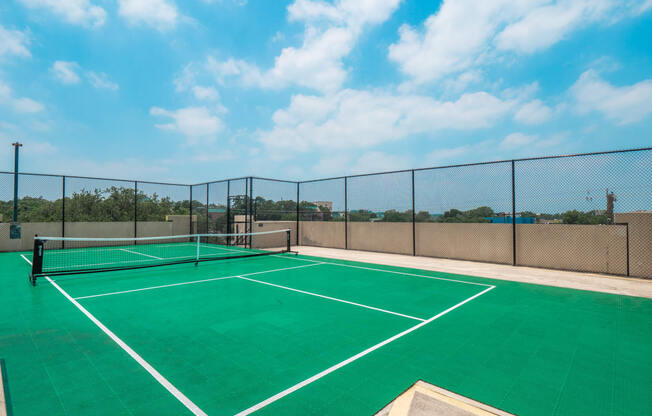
99 208
465 212
322 210
275 206
163 209
6 206
217 207
577 206
200 208
589 212
380 212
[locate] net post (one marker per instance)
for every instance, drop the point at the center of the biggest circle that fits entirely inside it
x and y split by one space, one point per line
288 239
37 260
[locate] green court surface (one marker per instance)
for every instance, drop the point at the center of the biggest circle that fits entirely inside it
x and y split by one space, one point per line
296 335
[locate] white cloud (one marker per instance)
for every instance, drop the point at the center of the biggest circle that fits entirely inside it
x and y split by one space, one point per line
66 72
18 104
375 161
205 93
623 105
546 24
80 12
331 32
533 112
198 124
466 153
361 119
464 34
13 42
159 14
516 140
101 80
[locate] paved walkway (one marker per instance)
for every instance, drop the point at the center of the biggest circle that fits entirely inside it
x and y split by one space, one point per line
575 280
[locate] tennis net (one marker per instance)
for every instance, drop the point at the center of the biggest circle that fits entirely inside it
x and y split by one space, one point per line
54 256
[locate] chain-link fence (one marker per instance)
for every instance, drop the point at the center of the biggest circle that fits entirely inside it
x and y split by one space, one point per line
322 213
589 212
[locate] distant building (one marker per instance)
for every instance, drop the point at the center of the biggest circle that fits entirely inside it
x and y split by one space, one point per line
324 204
215 213
507 219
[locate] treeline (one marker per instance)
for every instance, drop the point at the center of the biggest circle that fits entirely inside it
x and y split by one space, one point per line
117 204
101 205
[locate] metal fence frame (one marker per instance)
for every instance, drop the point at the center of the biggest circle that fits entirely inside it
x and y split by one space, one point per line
250 180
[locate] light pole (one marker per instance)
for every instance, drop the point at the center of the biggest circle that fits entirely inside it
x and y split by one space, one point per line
14 231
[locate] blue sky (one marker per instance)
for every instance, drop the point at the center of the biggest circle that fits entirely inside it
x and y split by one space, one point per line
207 89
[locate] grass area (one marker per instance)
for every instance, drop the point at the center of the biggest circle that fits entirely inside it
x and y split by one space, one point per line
249 329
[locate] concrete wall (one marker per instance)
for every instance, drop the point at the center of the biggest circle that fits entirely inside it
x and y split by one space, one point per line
386 237
274 240
479 242
26 243
640 242
155 229
177 226
587 248
322 234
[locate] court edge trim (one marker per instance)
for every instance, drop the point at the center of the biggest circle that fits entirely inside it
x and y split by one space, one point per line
133 354
394 271
329 370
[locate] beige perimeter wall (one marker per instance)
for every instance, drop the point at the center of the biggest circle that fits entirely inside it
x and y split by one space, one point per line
587 248
640 242
386 237
480 242
322 234
274 240
176 226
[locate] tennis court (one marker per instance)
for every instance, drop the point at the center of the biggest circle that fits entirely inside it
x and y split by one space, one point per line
288 334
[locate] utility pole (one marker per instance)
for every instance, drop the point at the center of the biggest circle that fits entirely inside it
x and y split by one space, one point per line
14 230
611 198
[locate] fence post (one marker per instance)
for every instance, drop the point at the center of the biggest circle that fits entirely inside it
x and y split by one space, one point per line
298 202
63 210
251 211
190 218
135 210
414 219
228 212
513 215
207 199
346 214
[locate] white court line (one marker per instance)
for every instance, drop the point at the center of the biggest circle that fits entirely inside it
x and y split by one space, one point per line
133 354
142 254
193 282
390 271
331 298
329 370
153 287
